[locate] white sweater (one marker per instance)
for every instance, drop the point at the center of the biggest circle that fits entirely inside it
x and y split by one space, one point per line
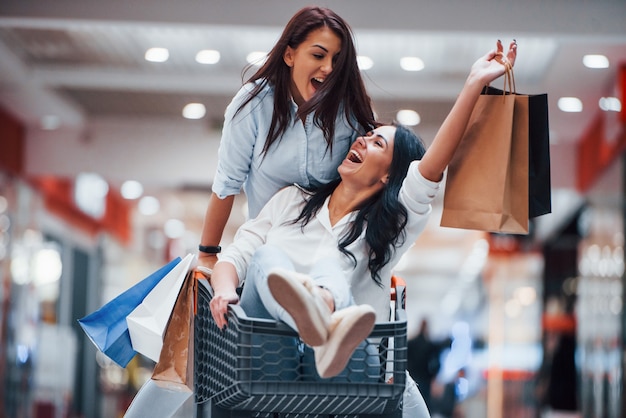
318 240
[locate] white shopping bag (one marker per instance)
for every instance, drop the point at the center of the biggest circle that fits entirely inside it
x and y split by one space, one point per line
147 322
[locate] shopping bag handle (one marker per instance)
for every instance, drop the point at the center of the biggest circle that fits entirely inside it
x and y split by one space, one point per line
201 273
509 77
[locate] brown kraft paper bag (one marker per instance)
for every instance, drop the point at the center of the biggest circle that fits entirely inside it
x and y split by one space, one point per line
174 369
487 180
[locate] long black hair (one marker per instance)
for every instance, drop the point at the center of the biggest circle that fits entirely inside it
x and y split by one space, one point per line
386 233
343 87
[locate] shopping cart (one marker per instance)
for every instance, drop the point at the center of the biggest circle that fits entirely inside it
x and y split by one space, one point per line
259 368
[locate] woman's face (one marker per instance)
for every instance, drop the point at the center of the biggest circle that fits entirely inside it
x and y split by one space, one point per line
370 157
311 62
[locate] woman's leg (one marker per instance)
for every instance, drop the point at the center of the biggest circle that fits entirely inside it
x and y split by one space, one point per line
413 405
256 299
328 274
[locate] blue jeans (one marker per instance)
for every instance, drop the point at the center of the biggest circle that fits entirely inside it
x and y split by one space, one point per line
258 302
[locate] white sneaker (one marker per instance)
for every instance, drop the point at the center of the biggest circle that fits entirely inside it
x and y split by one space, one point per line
297 294
349 327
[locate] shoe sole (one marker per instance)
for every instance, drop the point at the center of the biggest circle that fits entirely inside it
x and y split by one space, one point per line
340 348
299 303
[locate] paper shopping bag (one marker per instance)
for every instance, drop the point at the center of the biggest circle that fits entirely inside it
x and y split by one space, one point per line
487 180
107 327
147 322
539 182
174 371
540 186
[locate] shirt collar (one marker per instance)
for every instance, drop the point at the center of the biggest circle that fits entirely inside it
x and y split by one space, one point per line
323 215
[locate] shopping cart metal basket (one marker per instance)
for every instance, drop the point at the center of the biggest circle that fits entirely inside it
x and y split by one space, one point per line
259 368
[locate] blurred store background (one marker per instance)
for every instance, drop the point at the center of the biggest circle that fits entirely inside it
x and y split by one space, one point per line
104 177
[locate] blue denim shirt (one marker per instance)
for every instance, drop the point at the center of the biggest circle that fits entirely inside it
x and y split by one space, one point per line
300 156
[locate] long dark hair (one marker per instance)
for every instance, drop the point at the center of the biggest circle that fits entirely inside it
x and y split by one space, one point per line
387 233
343 87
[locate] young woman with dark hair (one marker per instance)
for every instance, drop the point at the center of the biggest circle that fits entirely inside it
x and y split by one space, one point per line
291 123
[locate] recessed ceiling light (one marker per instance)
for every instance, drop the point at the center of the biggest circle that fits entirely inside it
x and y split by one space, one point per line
256 58
194 111
408 117
364 62
595 61
610 104
174 228
570 104
131 189
411 64
148 205
90 192
208 56
157 55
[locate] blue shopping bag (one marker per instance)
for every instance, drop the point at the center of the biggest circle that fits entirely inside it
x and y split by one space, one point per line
107 327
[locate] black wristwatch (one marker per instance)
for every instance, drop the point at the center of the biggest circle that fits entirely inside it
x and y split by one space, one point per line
210 249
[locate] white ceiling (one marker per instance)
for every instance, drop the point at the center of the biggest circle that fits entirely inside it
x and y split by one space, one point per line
84 61
121 116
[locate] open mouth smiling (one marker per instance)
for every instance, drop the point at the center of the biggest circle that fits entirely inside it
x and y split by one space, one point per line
317 82
354 157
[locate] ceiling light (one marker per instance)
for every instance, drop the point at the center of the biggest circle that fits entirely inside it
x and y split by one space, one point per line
148 205
408 117
50 122
256 58
131 189
610 104
411 64
194 111
570 104
174 228
47 266
364 63
90 192
595 61
157 55
208 56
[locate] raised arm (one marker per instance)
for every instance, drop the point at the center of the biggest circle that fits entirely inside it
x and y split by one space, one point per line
483 71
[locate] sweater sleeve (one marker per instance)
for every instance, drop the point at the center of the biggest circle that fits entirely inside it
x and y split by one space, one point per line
253 233
417 194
